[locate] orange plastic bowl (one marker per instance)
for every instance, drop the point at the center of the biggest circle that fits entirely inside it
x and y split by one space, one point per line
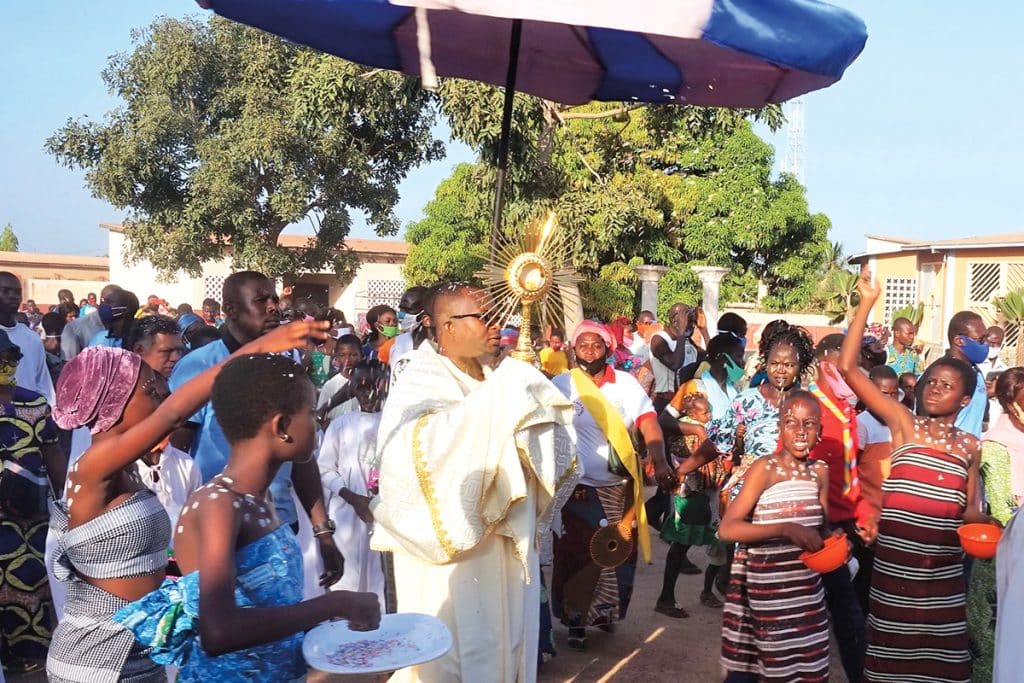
830 558
980 540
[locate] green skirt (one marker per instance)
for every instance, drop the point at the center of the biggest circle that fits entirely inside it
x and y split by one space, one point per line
690 521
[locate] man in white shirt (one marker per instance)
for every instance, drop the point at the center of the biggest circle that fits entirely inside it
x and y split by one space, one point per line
994 338
32 372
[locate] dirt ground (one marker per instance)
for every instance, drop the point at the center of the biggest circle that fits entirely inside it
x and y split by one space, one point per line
647 647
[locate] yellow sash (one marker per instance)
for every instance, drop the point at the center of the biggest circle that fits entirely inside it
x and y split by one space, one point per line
614 429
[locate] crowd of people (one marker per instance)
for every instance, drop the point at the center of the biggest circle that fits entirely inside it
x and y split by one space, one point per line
186 493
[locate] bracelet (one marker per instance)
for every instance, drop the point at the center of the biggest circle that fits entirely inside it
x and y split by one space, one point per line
327 527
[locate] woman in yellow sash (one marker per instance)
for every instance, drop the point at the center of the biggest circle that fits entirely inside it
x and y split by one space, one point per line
603 522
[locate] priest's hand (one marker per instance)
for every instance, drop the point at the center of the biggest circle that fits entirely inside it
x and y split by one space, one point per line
334 563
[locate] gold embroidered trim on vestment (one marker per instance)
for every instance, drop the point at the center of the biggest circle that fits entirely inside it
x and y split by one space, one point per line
427 487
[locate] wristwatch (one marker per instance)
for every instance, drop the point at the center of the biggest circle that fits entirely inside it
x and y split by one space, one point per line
328 527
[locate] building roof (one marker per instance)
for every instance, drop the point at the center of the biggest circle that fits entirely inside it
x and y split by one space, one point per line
359 245
896 245
38 259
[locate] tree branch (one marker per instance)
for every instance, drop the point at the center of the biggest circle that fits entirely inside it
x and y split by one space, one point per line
589 167
567 115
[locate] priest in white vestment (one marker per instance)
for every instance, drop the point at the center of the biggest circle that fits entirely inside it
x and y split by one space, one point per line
472 466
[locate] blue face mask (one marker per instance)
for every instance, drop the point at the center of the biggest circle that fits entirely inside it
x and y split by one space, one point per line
975 351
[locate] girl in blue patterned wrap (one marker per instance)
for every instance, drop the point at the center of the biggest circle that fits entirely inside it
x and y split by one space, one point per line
236 614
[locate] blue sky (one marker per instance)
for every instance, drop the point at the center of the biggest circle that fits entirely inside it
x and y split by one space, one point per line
921 138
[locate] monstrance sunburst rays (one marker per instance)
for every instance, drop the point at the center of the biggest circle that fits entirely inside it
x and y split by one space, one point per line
526 271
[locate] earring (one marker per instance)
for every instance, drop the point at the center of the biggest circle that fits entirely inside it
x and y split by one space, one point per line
287 438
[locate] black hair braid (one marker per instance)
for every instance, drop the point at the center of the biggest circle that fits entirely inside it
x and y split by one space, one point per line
781 332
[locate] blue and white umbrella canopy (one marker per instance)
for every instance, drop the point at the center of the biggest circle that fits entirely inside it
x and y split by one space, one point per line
731 53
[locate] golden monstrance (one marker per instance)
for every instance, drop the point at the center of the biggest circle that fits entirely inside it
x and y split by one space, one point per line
530 272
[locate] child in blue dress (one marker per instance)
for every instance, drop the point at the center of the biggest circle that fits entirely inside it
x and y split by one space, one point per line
237 612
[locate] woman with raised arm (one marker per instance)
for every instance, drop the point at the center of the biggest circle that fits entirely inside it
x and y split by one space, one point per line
112 532
917 625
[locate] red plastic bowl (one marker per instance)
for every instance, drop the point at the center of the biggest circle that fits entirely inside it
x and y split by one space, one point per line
830 558
980 540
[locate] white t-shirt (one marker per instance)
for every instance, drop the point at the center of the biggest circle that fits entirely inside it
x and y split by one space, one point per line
32 372
629 399
871 430
327 392
173 479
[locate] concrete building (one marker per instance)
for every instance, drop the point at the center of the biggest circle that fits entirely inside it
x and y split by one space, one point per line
378 280
43 275
946 276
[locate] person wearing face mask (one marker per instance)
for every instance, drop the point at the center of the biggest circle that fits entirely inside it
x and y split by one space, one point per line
609 406
847 509
117 313
411 315
382 328
994 338
968 341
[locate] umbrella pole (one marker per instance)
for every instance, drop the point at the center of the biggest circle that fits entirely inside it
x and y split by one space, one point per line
506 128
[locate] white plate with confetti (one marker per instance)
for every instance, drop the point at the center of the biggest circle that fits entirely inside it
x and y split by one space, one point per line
402 640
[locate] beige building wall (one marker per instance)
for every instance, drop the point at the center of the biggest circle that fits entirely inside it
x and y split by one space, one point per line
43 275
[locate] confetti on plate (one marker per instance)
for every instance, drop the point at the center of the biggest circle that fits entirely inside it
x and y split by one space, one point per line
402 640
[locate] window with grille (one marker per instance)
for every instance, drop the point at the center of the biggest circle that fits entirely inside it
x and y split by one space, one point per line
899 292
213 287
388 292
984 281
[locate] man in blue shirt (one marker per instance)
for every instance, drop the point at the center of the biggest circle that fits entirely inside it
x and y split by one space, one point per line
967 342
251 308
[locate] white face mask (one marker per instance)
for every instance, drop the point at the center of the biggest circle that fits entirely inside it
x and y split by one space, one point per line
409 322
993 352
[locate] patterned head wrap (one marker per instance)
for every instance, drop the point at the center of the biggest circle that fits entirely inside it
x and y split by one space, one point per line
591 327
94 387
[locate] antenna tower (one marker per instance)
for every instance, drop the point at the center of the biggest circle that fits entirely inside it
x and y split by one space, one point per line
794 111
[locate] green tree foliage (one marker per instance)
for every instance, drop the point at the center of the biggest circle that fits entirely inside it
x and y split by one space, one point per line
8 240
227 135
450 243
612 293
914 314
1011 307
663 185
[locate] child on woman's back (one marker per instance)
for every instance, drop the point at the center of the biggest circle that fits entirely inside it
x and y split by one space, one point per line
235 614
786 500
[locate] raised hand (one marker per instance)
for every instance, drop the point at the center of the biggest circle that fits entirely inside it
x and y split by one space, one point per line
867 287
289 336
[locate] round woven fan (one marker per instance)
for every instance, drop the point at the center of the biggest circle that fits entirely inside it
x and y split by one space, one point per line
610 547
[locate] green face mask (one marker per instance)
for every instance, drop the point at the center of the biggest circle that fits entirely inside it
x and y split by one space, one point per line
389 331
733 372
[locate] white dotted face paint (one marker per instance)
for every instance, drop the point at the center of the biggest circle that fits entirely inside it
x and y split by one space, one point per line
180 529
78 487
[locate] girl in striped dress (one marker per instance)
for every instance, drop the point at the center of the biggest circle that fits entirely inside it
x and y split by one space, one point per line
917 629
775 627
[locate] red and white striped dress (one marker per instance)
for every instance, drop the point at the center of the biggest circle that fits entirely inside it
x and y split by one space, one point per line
774 623
917 623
